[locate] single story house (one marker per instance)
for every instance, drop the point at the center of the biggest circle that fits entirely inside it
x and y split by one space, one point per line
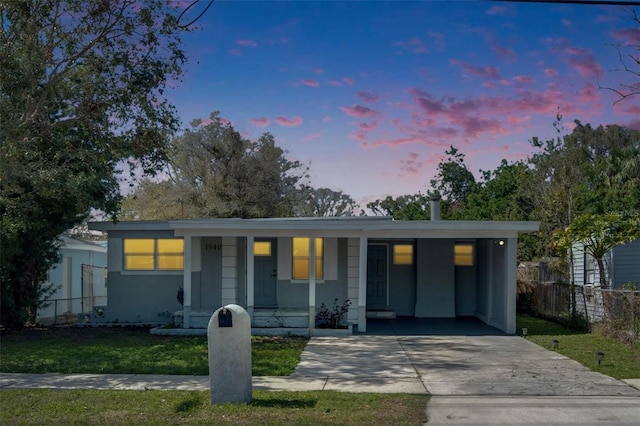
622 266
79 279
282 269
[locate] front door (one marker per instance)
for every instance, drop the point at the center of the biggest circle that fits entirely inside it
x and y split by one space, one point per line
376 276
265 274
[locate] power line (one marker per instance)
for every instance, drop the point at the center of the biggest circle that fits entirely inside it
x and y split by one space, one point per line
197 17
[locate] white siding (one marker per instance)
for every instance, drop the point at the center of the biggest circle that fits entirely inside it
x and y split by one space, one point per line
229 270
353 259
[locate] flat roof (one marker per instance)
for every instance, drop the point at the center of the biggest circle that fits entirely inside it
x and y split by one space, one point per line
371 226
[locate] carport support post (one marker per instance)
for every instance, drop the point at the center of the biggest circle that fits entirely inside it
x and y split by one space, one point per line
312 285
186 282
362 286
511 285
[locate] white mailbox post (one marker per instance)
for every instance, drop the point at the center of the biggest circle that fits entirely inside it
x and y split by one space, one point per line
229 341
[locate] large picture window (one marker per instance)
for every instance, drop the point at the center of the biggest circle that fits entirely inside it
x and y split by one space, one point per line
151 254
301 256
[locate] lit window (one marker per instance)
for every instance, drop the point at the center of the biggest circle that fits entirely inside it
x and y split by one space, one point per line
148 254
170 254
139 254
262 248
403 254
463 254
300 258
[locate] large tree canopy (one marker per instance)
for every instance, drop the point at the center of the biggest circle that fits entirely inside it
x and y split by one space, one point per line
81 88
215 172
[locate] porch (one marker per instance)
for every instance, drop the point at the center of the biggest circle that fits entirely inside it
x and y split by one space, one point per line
264 322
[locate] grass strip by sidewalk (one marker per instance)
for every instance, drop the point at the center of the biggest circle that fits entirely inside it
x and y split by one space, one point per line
621 361
47 406
130 350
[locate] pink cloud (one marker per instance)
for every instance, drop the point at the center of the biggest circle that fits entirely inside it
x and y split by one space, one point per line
235 52
522 79
260 122
318 70
312 136
289 122
550 72
326 119
335 83
310 83
348 81
248 43
583 62
497 10
487 72
627 36
368 97
412 164
414 45
359 111
567 22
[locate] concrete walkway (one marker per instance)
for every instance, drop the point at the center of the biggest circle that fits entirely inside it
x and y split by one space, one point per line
474 373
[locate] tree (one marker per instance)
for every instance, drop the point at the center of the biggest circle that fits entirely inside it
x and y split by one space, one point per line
82 91
403 207
215 172
598 234
629 58
325 202
454 182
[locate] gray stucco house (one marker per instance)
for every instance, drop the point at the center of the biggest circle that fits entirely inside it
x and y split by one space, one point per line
437 268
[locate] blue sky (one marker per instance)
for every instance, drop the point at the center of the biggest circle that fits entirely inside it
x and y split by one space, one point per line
371 94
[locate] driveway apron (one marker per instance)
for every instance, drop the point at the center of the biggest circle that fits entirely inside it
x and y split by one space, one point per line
450 358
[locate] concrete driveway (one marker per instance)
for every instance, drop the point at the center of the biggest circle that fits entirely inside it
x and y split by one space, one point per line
474 373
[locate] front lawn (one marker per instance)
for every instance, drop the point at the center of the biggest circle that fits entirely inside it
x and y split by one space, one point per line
47 406
621 361
131 350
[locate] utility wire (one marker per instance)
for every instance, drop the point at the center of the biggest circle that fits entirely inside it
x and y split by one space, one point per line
197 17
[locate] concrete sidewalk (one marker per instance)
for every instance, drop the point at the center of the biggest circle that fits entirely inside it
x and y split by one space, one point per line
189 383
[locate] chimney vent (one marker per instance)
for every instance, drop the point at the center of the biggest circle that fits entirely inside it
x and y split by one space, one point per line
434 202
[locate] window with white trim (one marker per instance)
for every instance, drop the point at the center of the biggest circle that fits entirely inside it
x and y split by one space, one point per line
300 258
153 254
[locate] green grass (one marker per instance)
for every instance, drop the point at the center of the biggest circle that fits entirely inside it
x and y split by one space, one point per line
46 406
131 350
622 361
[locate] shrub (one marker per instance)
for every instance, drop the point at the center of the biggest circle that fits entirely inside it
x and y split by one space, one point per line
333 318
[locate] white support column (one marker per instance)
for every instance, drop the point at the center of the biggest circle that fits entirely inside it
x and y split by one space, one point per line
511 285
250 276
186 283
312 285
362 286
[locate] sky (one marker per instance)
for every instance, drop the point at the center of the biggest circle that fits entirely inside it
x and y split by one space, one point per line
370 95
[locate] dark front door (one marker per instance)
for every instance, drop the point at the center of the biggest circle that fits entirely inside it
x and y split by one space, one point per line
265 276
376 276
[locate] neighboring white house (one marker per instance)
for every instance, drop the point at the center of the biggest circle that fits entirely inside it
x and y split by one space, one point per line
79 278
285 268
622 266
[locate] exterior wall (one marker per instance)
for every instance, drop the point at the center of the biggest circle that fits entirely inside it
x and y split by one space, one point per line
401 284
241 272
466 290
497 317
435 276
626 264
295 293
66 276
229 270
135 296
353 277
